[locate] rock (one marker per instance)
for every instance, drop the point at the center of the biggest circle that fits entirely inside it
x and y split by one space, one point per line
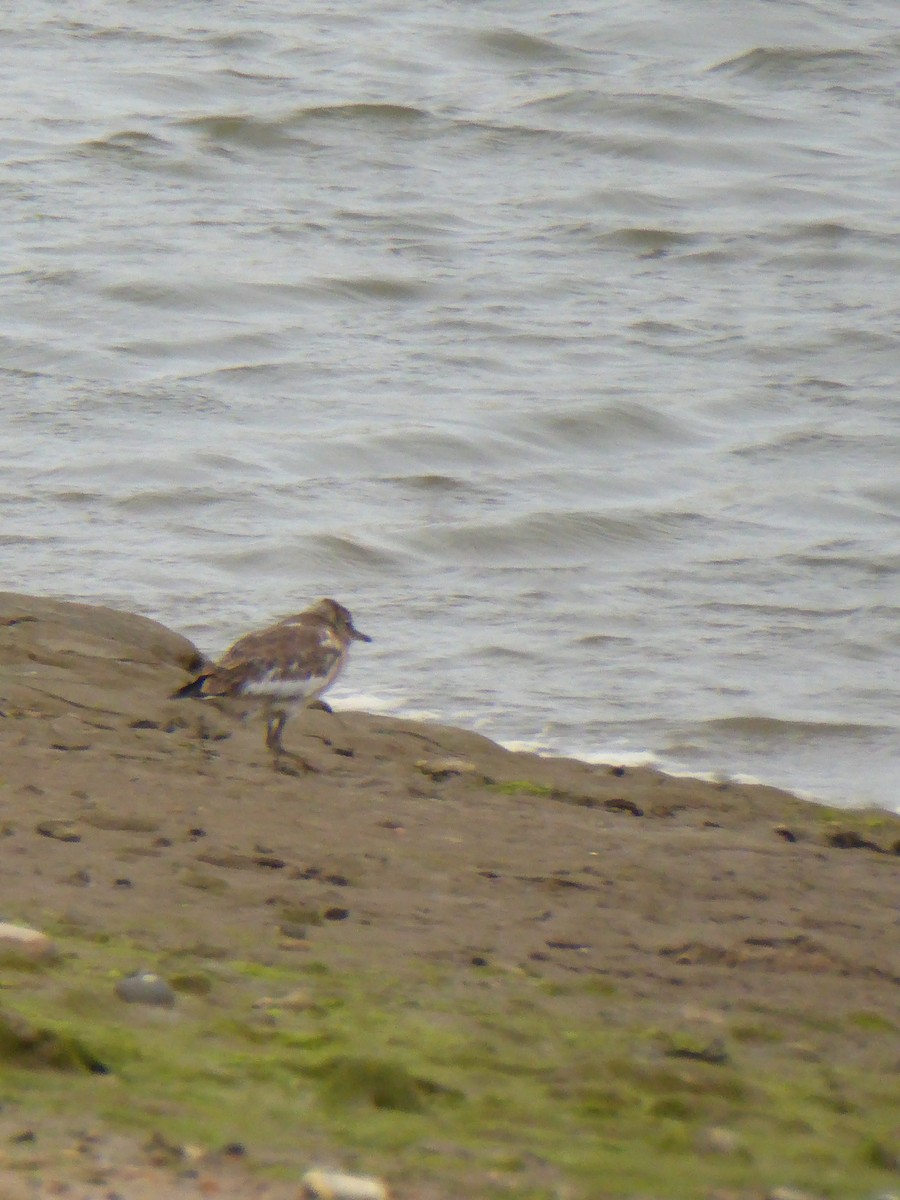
618 804
850 839
440 769
40 1045
60 831
18 943
333 1185
687 1046
69 733
297 1001
143 987
789 1193
291 929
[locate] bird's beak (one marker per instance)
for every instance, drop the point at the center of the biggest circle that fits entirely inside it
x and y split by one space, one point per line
357 636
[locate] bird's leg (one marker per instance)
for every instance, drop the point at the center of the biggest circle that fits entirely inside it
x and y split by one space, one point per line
275 723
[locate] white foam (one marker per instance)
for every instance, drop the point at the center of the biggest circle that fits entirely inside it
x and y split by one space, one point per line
365 702
619 758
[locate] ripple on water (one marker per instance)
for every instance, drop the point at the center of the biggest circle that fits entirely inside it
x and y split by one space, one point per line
311 556
378 287
761 728
547 538
182 499
133 143
517 47
242 129
670 110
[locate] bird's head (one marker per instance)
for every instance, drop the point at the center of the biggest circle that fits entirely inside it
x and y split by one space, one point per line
339 619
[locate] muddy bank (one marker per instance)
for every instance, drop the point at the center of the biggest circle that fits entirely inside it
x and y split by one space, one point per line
563 964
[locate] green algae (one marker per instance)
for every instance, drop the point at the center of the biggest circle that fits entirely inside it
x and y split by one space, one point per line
872 1023
512 1082
520 787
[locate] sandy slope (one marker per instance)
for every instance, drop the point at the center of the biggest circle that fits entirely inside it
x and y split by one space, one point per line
421 853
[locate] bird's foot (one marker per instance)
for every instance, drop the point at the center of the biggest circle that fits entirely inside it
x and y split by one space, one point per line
286 763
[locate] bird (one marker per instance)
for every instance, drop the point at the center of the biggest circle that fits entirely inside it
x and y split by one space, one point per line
285 667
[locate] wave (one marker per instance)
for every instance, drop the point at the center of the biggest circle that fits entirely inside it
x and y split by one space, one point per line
602 425
546 538
674 111
131 142
790 64
774 728
369 113
318 554
242 129
522 47
376 287
289 128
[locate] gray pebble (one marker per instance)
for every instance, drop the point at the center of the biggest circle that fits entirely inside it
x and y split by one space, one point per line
143 987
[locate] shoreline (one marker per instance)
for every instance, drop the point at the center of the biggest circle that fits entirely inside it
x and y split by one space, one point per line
537 967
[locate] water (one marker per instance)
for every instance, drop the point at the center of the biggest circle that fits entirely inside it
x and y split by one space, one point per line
560 346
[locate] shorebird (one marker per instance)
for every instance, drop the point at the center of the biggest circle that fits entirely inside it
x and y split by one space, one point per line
285 667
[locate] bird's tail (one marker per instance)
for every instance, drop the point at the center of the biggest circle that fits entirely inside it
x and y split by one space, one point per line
194 688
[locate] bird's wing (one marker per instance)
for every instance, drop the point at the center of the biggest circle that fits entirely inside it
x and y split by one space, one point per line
284 651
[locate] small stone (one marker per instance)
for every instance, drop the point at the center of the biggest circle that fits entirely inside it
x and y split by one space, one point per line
60 831
440 769
619 804
297 1001
789 1193
783 831
717 1140
336 914
292 929
143 987
334 1185
18 943
685 1046
850 839
69 733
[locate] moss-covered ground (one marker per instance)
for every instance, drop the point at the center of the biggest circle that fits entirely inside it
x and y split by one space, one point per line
524 1086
